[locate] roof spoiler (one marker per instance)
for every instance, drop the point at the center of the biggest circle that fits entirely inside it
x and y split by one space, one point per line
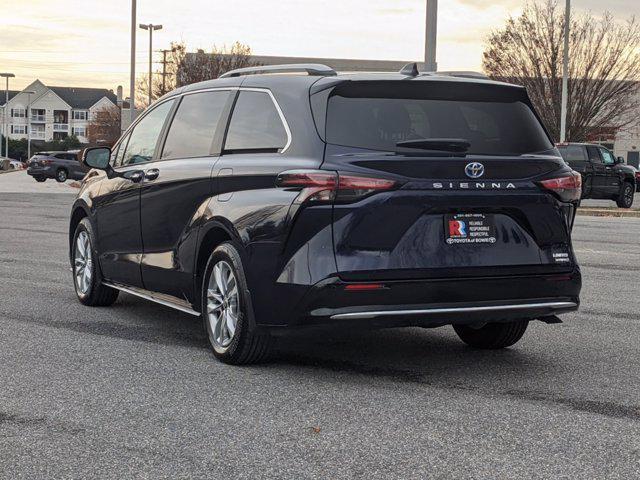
315 69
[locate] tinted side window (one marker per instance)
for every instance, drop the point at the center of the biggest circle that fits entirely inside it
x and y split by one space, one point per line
594 156
255 124
192 129
144 136
573 153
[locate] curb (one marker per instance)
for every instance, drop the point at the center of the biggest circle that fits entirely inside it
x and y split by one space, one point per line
604 212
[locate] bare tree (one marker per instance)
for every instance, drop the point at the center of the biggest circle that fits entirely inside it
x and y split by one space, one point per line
604 67
200 66
104 126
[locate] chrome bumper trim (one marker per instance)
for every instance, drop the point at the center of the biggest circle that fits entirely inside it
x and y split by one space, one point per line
430 311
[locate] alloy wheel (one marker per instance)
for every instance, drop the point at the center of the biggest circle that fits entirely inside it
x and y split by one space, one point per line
628 194
83 263
222 304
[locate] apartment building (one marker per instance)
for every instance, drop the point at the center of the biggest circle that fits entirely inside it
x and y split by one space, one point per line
53 113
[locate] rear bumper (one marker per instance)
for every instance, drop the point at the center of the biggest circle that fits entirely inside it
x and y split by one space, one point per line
41 171
436 302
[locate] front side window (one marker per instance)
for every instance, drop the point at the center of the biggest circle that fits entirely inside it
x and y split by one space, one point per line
607 157
255 125
194 125
143 139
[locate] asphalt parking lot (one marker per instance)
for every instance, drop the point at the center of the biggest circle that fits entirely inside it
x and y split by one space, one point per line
132 391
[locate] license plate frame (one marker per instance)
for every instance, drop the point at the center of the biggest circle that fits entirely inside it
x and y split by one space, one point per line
470 229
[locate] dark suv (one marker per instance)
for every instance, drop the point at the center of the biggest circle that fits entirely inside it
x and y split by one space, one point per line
59 165
603 175
270 202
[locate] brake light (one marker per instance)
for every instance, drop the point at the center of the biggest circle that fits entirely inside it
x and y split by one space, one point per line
46 162
567 187
324 186
363 287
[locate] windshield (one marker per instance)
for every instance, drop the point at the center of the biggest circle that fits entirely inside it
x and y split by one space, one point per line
494 121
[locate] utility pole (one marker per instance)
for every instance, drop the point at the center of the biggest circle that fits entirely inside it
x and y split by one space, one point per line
164 73
132 78
151 27
565 74
430 37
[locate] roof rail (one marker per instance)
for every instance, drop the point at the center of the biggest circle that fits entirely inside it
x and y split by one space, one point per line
311 68
463 74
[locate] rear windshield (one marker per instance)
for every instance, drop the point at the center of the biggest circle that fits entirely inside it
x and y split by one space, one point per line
493 120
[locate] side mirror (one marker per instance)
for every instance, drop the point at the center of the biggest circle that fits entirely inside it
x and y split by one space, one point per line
620 160
97 157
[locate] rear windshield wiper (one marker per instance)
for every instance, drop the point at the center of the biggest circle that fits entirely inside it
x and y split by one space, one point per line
441 144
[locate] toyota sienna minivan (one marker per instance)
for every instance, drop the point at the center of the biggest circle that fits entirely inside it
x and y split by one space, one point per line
288 197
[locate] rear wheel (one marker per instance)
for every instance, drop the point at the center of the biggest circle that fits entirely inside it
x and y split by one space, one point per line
62 175
492 335
40 179
225 310
625 199
87 278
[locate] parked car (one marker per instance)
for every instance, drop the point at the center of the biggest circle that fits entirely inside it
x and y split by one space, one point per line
11 164
263 203
603 175
59 165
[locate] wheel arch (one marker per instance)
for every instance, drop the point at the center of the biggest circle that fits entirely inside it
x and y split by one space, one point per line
212 234
78 212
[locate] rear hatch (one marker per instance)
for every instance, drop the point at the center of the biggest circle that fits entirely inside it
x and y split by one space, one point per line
444 179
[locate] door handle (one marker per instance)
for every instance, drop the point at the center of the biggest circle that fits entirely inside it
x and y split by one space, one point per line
151 174
135 176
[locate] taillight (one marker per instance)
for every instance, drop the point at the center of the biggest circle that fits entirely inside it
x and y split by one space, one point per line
325 186
568 187
46 162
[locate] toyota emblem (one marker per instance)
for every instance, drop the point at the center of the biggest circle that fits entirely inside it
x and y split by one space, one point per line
474 170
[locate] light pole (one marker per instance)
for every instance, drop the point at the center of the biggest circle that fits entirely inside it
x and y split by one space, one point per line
5 124
151 27
28 118
430 36
132 74
565 74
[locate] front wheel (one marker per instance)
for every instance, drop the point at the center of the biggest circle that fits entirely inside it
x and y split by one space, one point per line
625 199
62 175
86 274
492 335
225 310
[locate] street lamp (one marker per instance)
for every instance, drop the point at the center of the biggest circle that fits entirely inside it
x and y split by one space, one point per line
151 27
5 125
565 74
28 118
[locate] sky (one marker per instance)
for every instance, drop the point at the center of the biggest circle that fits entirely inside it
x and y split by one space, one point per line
86 42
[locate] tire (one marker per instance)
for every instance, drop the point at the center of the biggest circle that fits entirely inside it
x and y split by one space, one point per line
89 288
61 175
625 199
242 343
40 179
492 336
